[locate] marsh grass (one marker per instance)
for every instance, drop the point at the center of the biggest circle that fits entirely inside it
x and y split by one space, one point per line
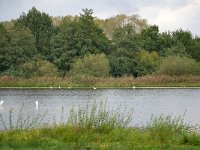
100 117
96 126
22 121
166 128
87 81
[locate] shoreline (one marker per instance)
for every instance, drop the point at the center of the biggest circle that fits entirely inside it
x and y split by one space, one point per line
96 88
145 82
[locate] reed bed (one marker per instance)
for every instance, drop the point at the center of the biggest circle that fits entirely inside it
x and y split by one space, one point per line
150 80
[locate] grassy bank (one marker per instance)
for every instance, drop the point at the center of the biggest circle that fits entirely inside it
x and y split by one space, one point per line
98 127
146 81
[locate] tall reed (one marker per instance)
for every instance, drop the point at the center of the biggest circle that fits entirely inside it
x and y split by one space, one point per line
100 117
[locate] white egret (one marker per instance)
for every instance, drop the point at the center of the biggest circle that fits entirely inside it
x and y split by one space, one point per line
94 88
1 103
51 87
59 87
36 104
133 87
69 87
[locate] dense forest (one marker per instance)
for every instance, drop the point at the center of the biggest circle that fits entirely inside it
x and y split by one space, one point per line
37 44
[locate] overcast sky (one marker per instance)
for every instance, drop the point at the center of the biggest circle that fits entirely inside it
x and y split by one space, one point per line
168 14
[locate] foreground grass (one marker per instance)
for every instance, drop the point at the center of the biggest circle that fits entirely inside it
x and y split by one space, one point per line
68 137
98 127
146 81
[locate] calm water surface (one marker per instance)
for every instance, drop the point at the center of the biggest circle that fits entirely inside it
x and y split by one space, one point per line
145 102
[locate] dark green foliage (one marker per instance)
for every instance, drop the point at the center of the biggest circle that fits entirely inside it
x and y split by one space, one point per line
64 49
177 50
22 45
123 60
134 48
42 28
194 50
76 38
184 37
4 48
17 46
150 39
127 38
89 36
122 65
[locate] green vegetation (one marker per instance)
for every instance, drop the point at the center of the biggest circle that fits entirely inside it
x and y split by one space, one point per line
37 44
101 82
91 65
96 126
177 65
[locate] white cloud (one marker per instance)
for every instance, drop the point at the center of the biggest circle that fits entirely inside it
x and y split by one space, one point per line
168 14
170 19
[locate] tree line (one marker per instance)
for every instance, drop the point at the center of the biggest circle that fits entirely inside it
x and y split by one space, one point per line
37 44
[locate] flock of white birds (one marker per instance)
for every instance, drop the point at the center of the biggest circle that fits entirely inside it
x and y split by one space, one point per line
36 102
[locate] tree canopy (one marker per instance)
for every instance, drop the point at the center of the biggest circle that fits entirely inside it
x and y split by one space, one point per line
37 44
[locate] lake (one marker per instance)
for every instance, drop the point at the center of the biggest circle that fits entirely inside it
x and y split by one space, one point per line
145 102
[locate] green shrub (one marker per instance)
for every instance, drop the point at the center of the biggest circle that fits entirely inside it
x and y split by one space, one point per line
177 65
41 68
91 65
148 62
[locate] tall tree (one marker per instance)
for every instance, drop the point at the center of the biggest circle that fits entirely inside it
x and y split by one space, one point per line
185 37
150 39
111 24
41 26
64 50
123 59
17 46
4 48
77 37
194 49
90 38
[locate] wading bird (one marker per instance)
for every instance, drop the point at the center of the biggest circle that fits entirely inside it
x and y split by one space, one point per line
36 104
1 103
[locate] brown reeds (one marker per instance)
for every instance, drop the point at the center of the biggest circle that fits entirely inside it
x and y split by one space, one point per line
86 81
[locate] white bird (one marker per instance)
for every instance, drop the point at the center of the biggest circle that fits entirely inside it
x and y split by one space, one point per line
51 87
59 87
69 87
36 104
1 103
133 87
94 88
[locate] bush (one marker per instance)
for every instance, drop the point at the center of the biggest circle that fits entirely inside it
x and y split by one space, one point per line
148 62
91 65
177 65
41 68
